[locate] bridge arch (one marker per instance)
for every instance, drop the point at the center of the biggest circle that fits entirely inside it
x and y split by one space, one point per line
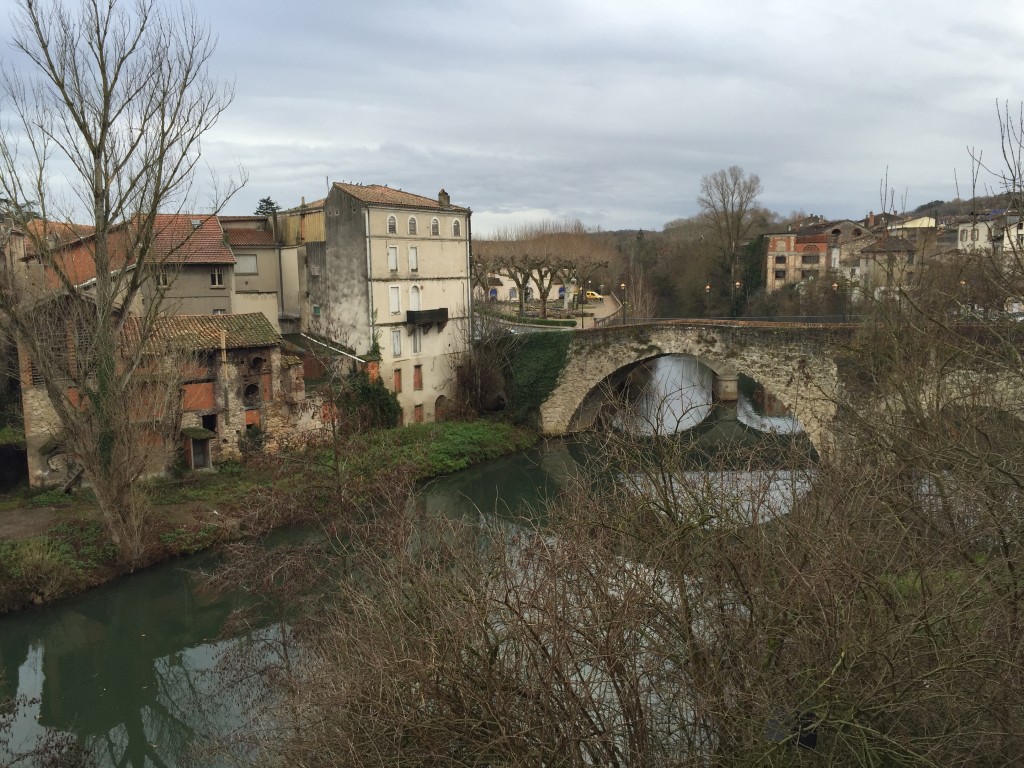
793 365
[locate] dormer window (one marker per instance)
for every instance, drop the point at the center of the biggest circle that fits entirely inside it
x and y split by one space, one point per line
435 227
392 225
197 223
412 225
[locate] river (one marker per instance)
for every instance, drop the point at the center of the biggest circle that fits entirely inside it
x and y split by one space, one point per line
130 668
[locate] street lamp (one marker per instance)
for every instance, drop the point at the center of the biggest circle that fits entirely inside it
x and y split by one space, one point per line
735 290
707 299
622 286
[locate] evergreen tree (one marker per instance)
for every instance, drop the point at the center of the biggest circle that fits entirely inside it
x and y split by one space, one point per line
267 207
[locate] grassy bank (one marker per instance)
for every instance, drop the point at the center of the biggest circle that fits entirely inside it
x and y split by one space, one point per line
200 510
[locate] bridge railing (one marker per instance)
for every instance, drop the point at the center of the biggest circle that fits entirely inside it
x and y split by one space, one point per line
618 319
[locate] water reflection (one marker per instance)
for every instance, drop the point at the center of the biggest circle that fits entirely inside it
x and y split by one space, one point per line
121 668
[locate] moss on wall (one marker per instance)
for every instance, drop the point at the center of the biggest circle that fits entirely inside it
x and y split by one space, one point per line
536 363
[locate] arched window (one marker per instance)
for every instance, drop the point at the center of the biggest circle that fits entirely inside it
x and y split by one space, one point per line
493 294
412 225
392 225
456 228
414 298
561 291
512 294
251 396
435 227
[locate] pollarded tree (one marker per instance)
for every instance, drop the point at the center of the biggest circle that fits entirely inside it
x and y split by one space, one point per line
112 98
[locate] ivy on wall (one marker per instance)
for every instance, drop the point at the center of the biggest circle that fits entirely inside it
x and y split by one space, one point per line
536 362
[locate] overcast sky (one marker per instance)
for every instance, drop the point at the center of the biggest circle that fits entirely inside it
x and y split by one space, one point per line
610 112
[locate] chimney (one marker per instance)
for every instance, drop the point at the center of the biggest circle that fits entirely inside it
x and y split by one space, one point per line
444 199
871 218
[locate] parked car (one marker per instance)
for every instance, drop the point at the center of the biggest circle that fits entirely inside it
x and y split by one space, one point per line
594 296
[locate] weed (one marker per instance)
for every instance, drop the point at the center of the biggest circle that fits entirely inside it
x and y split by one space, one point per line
188 539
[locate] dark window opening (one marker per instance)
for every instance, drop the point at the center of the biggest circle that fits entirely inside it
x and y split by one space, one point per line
251 396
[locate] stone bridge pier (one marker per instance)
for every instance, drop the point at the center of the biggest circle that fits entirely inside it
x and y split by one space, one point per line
793 364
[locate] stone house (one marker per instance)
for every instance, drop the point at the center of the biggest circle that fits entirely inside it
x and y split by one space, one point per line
386 274
233 380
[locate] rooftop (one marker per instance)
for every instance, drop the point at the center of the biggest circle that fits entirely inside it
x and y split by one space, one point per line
203 332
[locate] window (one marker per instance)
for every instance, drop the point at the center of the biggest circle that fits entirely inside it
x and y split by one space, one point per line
417 414
417 340
780 274
245 264
396 342
217 277
251 396
414 258
456 228
435 227
316 310
163 280
392 225
1020 239
393 258
513 294
780 259
810 258
808 274
417 377
974 233
414 298
910 258
412 225
220 311
963 235
395 300
397 381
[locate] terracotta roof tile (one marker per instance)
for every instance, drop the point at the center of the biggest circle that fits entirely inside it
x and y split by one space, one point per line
254 237
202 332
177 239
377 194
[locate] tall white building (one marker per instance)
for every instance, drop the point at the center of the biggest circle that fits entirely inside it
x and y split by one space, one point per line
382 270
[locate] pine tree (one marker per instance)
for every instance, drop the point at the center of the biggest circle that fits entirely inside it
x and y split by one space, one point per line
267 207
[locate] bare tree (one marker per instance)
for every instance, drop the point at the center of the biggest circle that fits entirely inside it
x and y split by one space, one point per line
727 199
114 97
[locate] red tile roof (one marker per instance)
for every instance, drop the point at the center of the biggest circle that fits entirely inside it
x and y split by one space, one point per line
377 194
254 237
177 239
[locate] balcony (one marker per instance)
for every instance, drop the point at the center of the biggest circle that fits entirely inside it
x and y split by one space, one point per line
427 317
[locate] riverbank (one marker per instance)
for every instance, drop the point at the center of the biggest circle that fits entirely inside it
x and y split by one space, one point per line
54 546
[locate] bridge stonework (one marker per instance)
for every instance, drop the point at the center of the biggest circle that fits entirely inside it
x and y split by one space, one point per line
794 364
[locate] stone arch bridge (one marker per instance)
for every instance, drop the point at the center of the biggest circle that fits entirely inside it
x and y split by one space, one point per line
793 361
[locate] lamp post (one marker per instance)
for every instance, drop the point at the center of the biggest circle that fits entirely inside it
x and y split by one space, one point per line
622 286
735 290
835 296
707 299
